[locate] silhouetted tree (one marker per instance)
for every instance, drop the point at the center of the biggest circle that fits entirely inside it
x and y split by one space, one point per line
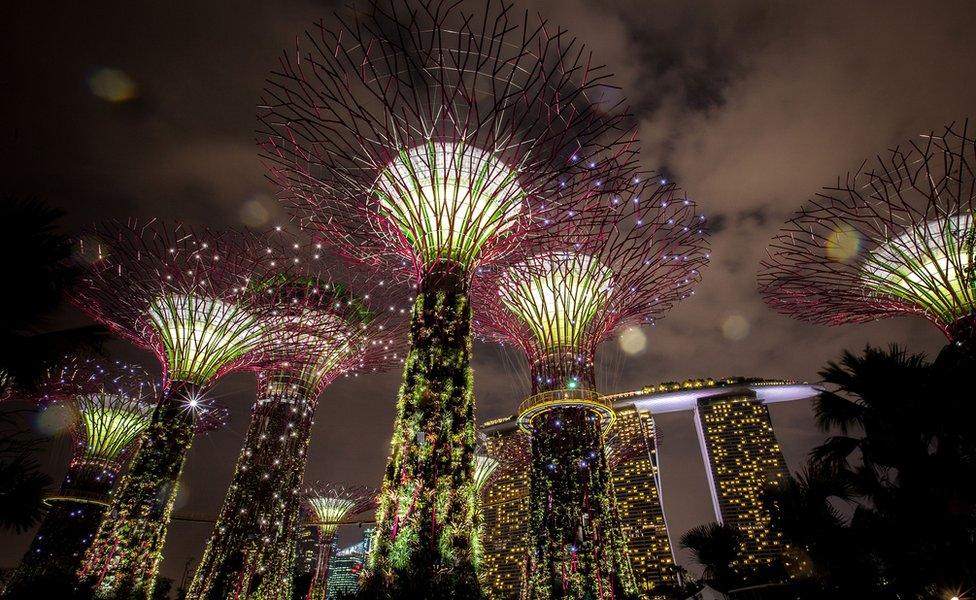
902 457
716 548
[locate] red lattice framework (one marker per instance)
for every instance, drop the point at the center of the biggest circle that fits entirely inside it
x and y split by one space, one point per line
329 322
424 137
893 239
132 264
626 268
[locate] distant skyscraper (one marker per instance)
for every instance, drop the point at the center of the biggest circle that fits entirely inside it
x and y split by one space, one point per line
636 484
741 456
505 523
742 459
306 551
506 507
344 570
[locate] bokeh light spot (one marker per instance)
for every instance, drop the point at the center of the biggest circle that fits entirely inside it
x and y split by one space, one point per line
843 244
254 213
735 327
112 85
54 420
633 341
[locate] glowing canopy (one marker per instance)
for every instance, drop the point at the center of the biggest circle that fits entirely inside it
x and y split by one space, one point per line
111 422
557 295
449 199
930 265
202 335
484 467
329 511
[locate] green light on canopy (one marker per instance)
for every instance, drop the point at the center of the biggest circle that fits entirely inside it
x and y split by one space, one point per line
484 466
930 266
557 296
111 423
202 335
449 199
329 352
329 511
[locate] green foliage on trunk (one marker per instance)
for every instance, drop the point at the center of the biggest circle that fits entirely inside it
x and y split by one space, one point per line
123 560
251 550
426 535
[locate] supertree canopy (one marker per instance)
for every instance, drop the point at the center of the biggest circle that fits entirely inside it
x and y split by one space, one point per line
894 239
111 404
484 469
186 296
328 505
426 143
557 306
325 326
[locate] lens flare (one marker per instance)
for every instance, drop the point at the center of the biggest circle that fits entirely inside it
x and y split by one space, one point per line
843 244
735 328
633 341
113 85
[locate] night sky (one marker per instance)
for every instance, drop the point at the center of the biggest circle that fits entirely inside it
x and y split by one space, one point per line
147 110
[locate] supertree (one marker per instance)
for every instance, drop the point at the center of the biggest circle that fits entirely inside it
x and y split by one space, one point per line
891 240
328 505
325 327
426 143
557 306
110 404
185 295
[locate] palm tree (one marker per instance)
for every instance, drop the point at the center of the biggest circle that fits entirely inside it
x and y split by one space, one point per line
22 484
37 262
716 548
902 456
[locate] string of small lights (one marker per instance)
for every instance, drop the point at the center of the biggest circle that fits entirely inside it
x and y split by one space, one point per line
626 267
184 294
429 157
110 404
323 328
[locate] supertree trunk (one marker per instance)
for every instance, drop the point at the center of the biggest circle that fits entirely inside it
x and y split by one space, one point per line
251 550
124 558
426 541
318 588
576 546
55 555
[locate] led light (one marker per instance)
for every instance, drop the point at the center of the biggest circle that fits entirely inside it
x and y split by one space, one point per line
929 265
449 199
201 335
559 297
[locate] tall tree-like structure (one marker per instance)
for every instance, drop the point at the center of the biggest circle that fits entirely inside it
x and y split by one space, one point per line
557 307
426 143
328 505
187 296
893 238
110 404
325 327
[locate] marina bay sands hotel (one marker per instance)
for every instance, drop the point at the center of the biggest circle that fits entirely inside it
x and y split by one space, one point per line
741 456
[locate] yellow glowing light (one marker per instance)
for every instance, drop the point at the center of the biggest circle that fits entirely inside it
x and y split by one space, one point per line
843 244
557 295
201 335
930 265
113 85
449 199
108 431
484 466
633 341
329 511
735 328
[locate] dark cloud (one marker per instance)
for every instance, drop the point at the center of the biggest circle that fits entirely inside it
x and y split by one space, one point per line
751 106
